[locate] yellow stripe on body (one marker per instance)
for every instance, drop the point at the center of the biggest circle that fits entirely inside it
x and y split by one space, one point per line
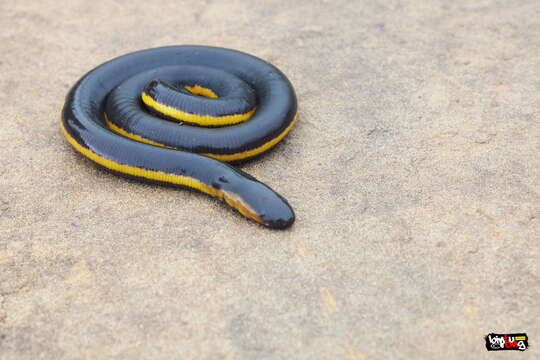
231 198
221 157
202 91
203 120
121 131
256 151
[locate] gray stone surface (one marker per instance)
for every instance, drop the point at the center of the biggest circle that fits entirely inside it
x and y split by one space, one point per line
413 170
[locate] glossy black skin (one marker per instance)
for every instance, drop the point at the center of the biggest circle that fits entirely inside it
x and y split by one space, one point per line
83 119
166 86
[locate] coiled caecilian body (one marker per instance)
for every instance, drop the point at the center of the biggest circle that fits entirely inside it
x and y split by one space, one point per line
141 115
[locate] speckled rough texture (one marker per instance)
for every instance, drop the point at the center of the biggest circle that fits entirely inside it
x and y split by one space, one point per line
413 170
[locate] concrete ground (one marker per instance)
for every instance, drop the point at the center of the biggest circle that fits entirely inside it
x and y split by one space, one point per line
413 170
